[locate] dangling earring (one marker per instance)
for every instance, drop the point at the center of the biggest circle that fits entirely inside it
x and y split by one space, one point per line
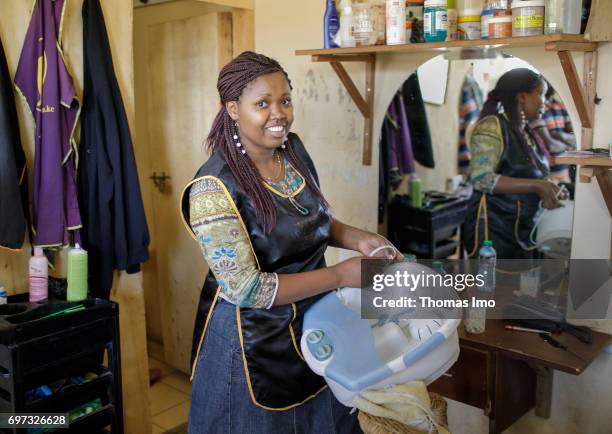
237 139
284 145
523 117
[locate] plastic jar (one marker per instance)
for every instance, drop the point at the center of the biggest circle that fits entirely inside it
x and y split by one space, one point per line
500 27
563 16
485 16
379 25
468 26
528 17
363 24
436 20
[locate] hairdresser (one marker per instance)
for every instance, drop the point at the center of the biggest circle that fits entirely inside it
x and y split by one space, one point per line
509 168
256 209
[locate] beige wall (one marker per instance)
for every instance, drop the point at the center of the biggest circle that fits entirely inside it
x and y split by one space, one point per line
331 128
127 290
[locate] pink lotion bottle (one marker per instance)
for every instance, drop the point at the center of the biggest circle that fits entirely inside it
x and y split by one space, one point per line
39 276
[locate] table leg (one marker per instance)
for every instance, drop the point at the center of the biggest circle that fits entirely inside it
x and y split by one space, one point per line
544 386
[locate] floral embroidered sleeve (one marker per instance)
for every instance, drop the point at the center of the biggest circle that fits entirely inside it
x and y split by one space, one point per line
226 246
486 146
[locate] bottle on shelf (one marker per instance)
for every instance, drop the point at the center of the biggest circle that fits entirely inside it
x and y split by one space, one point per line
363 24
452 17
436 20
77 274
563 16
331 25
346 25
396 22
38 276
416 196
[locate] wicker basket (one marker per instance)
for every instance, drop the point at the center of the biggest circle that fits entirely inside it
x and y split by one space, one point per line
380 425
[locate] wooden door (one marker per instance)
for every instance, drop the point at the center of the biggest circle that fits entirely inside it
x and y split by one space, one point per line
183 61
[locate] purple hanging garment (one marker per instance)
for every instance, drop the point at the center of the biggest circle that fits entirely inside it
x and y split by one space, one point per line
44 81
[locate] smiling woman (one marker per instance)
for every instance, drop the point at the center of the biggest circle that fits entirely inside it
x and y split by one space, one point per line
263 225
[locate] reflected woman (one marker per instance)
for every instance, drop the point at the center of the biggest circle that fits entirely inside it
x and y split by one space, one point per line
509 168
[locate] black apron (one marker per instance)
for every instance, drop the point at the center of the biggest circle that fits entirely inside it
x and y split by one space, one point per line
277 375
510 216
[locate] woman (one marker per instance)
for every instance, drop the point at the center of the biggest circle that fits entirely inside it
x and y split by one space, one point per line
509 168
263 225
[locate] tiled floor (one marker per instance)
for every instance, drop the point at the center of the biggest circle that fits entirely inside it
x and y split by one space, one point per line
170 398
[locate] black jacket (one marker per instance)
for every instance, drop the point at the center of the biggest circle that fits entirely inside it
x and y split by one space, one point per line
115 230
14 211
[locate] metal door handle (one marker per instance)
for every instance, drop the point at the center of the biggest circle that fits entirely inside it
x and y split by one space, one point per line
160 181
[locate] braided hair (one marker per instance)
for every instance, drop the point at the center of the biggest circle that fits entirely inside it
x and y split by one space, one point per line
505 94
233 79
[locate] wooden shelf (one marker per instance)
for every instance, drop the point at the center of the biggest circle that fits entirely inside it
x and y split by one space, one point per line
592 166
582 91
594 160
558 42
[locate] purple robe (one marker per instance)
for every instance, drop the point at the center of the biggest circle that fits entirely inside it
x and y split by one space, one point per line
44 81
401 156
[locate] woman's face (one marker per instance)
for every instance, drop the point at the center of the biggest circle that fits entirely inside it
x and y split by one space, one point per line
532 103
264 112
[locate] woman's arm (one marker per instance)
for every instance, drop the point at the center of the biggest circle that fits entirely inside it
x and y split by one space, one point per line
548 191
298 286
351 238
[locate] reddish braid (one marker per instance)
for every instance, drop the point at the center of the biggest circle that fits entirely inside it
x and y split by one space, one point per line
233 79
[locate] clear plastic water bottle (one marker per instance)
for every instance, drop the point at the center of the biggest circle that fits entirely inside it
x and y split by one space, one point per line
487 261
476 316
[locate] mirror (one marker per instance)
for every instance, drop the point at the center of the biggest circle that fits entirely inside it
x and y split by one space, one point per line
464 167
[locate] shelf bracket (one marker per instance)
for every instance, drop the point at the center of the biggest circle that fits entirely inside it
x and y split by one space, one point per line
582 94
365 103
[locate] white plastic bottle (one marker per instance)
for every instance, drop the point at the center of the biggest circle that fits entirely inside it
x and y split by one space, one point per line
346 24
396 22
39 276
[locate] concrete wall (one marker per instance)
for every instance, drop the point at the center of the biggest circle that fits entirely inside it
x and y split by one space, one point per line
331 128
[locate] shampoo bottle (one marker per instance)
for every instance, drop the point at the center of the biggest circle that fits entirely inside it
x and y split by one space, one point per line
77 274
38 276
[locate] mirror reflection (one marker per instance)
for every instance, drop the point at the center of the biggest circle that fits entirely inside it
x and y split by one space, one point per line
467 153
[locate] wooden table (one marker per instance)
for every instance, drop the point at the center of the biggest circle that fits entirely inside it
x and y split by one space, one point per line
506 373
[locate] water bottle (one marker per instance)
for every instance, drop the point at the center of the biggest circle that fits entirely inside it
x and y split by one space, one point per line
476 316
487 261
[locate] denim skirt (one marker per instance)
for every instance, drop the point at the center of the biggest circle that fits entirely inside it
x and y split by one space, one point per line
220 399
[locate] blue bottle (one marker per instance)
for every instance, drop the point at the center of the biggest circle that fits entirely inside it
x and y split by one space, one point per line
487 261
331 25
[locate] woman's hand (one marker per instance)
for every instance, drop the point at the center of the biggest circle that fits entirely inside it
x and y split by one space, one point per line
370 241
550 194
349 272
